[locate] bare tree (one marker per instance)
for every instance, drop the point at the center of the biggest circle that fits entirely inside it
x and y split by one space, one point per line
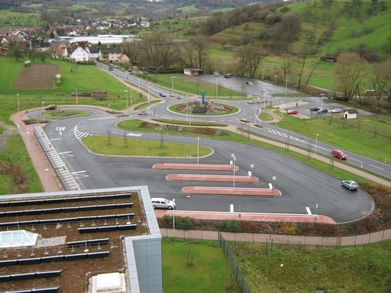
350 70
249 58
195 53
287 64
381 80
157 51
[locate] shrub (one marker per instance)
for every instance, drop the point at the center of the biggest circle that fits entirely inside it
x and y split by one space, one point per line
228 226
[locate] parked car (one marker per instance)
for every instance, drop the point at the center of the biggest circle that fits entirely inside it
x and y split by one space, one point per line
339 154
337 110
314 109
322 111
163 203
292 111
349 184
51 107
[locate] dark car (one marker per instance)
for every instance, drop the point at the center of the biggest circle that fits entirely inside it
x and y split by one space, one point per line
349 184
51 107
322 111
314 109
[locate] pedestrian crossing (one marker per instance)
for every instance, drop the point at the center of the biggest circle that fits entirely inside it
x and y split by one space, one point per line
80 134
287 136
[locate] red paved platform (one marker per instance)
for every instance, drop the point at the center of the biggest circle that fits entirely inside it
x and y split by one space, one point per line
204 215
204 167
216 178
231 190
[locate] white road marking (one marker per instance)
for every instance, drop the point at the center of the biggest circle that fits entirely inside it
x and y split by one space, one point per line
134 134
308 210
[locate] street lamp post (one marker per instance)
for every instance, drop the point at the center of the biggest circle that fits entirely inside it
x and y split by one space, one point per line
264 100
42 109
46 179
198 150
234 169
173 218
216 90
172 83
149 98
286 85
17 102
77 98
28 141
316 142
126 95
131 97
250 173
255 111
275 80
259 90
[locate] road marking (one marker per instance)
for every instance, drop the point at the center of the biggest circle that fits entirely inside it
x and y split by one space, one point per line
376 167
56 139
78 174
308 210
134 134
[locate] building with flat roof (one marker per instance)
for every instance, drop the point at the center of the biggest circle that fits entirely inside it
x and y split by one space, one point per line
101 240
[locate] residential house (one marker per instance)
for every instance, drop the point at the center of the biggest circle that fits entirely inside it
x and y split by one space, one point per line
60 48
109 54
123 58
79 54
350 114
192 71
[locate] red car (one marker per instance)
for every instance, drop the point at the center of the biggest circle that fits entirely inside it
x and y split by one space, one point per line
51 107
292 111
339 154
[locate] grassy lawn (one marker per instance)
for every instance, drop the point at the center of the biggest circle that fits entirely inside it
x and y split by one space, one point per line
195 266
117 146
271 268
362 136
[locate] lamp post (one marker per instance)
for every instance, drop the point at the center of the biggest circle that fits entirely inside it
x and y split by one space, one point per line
259 90
172 82
149 100
28 142
275 80
187 108
216 89
131 97
286 85
42 109
77 98
234 169
264 100
198 150
316 142
255 111
17 102
316 212
126 95
46 179
173 217
250 173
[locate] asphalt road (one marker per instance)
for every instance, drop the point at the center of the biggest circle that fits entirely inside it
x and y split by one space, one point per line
301 185
303 188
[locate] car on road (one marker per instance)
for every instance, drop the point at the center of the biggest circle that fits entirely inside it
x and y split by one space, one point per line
163 95
349 184
314 109
292 111
322 111
337 110
163 203
51 107
339 154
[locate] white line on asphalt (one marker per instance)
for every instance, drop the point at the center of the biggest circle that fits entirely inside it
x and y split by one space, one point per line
376 167
308 210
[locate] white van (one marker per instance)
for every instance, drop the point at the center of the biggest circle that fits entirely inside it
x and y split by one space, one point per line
163 203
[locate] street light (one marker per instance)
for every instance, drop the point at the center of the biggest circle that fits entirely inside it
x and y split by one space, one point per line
234 164
28 142
198 150
259 90
250 173
42 109
316 212
316 142
149 100
17 102
216 89
255 111
275 79
46 180
264 100
173 217
77 98
131 97
286 85
126 95
172 82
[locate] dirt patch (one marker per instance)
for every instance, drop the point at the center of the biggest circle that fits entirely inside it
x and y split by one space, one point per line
37 76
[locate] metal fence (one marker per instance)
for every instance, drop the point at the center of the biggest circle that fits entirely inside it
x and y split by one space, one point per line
234 266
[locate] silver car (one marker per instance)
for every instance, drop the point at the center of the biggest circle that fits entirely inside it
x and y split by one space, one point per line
349 184
163 203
